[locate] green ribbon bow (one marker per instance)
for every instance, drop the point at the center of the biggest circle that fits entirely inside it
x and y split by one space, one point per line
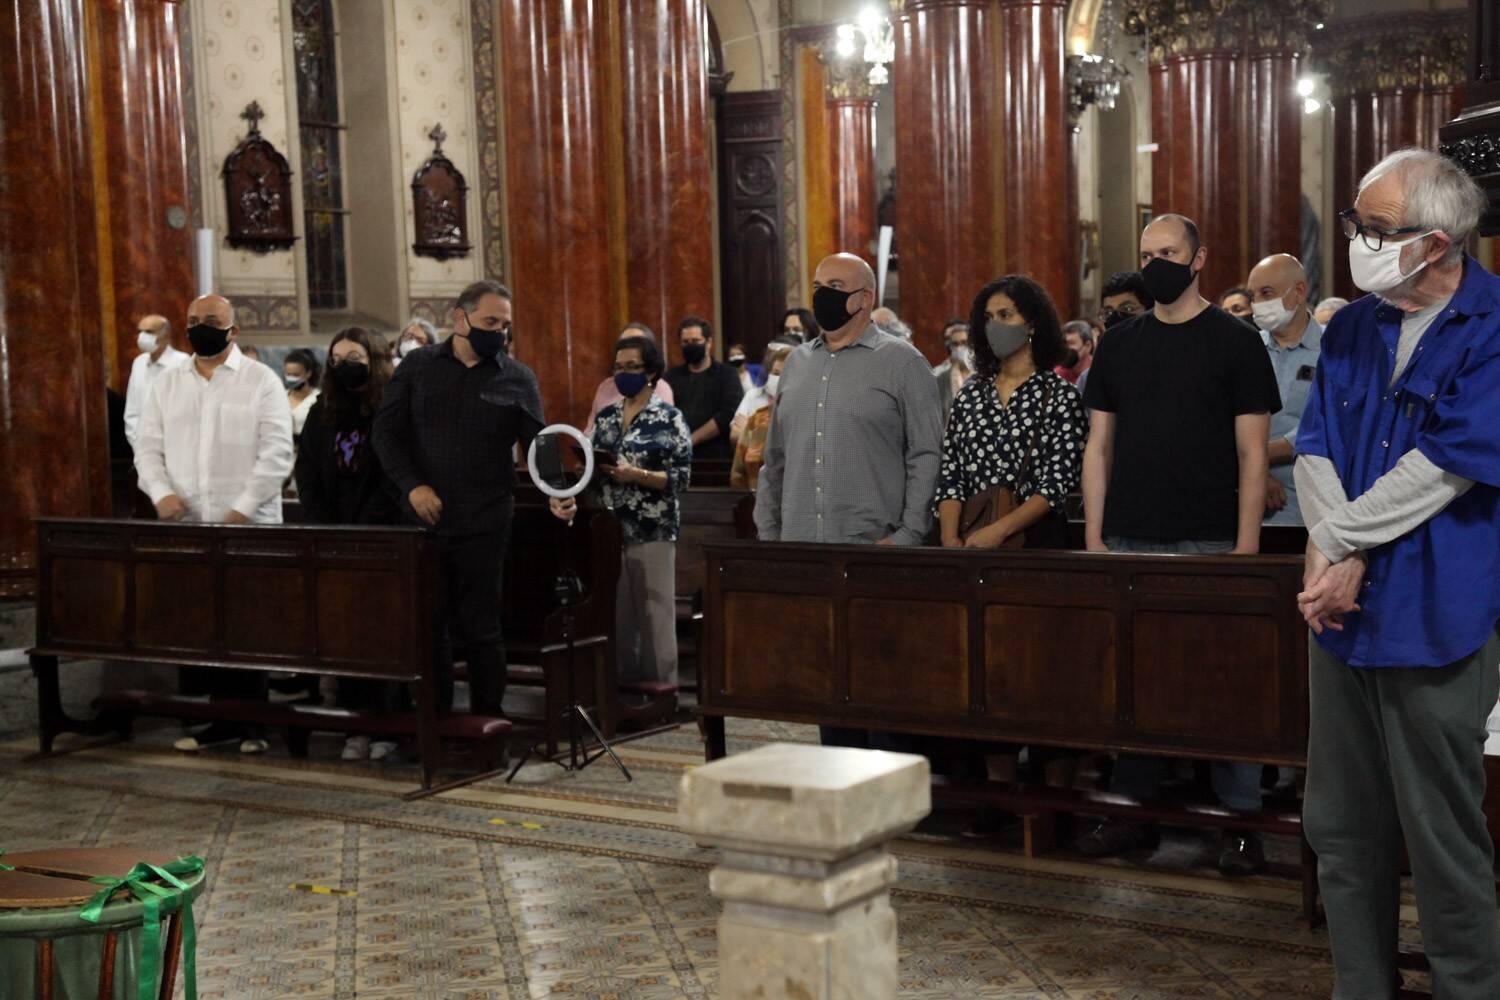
141 881
5 867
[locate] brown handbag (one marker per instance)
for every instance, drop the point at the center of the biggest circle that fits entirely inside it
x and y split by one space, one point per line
989 505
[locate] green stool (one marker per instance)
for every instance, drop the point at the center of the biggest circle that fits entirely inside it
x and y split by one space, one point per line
86 924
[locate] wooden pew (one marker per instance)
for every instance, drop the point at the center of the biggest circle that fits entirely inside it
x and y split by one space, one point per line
711 471
348 602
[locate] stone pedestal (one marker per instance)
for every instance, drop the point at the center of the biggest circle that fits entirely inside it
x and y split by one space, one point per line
805 874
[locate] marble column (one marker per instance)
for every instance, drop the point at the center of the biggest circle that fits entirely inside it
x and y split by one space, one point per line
1041 239
947 90
1274 156
138 119
850 120
668 218
53 444
1396 81
805 873
566 234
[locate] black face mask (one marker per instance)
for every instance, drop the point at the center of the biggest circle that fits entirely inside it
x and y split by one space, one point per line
1110 317
1071 359
694 354
351 375
1166 280
208 341
486 343
831 308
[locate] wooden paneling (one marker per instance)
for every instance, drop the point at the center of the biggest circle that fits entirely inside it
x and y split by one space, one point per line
946 86
669 223
911 654
777 648
282 627
88 600
53 442
752 277
346 599
1192 655
164 620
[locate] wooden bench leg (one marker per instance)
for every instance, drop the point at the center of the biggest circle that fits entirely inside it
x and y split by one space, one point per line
713 737
44 969
107 967
171 956
50 717
1038 833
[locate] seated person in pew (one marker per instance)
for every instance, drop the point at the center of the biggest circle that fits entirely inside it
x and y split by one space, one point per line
340 481
1181 400
653 452
750 446
234 477
756 398
446 434
854 445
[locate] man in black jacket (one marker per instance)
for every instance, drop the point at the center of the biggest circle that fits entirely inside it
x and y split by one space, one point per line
706 391
446 435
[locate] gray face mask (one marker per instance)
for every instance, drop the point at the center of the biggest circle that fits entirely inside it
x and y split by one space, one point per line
1005 339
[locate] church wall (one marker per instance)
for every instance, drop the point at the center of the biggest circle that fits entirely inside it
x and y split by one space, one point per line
747 32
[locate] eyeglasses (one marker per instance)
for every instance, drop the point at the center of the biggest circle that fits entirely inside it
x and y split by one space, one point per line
1374 238
629 369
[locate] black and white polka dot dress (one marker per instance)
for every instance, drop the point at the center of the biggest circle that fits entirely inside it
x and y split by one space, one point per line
987 443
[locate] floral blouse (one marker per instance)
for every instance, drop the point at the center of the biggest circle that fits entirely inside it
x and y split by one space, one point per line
987 443
657 441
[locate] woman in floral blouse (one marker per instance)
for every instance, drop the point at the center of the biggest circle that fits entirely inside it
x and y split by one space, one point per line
653 461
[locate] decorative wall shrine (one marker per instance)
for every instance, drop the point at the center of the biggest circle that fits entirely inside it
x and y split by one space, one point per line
440 205
258 190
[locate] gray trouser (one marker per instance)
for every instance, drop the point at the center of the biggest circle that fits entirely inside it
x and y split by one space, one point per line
646 613
1393 752
1236 785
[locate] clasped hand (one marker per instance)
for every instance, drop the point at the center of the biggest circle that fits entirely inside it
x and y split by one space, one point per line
1330 590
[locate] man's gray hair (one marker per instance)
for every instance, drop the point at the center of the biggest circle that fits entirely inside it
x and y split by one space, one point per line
1439 195
1334 302
1082 327
897 328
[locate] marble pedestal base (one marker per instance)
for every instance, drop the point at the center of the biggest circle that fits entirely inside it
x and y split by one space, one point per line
805 873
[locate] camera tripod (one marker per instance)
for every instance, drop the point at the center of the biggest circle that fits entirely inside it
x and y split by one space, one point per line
568 588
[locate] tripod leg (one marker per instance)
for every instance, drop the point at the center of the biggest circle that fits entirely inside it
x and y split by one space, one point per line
583 713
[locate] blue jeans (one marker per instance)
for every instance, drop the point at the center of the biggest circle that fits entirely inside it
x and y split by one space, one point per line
1236 785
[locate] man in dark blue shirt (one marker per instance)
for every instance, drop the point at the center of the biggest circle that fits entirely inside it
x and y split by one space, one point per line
446 434
1399 477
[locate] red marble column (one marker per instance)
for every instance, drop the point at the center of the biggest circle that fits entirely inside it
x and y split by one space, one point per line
852 136
148 261
1034 148
1197 122
669 222
566 263
1274 154
53 444
946 88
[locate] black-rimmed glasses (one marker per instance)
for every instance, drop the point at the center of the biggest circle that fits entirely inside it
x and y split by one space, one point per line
1374 238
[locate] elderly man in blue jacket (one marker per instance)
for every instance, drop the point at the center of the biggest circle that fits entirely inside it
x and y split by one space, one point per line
1399 477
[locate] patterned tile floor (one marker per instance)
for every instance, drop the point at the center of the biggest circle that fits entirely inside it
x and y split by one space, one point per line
581 887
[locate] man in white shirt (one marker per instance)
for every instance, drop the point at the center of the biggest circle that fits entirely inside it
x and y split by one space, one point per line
154 338
214 445
214 441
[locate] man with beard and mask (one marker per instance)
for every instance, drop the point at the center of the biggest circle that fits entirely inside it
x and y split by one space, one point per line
706 391
1278 294
154 338
1078 334
1181 400
446 434
853 449
214 445
1398 471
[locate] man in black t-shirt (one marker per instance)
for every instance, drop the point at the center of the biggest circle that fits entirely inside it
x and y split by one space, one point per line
1181 400
706 391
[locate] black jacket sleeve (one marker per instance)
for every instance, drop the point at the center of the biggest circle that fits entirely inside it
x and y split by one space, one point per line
312 444
394 427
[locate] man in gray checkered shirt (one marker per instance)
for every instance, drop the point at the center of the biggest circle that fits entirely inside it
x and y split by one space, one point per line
855 439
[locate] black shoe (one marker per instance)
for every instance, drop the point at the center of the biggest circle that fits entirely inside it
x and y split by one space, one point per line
1241 854
1118 836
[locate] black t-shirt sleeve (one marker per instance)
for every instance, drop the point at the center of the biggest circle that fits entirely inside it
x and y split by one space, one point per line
1252 380
1098 393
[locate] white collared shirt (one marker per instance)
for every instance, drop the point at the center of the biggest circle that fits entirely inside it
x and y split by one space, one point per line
218 444
143 375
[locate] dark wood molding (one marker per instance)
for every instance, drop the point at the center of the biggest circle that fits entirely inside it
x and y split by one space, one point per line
440 205
258 191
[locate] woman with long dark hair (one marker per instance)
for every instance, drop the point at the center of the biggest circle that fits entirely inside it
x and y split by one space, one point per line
340 481
1016 426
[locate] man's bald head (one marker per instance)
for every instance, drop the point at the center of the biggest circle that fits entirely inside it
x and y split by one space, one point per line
844 272
214 310
1279 276
154 324
845 269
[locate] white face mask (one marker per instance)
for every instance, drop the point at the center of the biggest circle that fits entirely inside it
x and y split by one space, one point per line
1380 270
407 345
1273 314
145 341
773 382
293 381
963 356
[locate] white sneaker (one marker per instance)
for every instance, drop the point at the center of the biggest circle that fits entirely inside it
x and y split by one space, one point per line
357 748
254 746
381 749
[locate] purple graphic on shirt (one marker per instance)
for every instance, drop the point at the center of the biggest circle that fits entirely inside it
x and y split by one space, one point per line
346 448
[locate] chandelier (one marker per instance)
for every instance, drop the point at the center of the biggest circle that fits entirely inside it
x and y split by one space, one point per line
1094 78
874 29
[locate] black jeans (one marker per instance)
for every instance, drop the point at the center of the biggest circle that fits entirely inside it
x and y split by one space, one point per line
472 566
